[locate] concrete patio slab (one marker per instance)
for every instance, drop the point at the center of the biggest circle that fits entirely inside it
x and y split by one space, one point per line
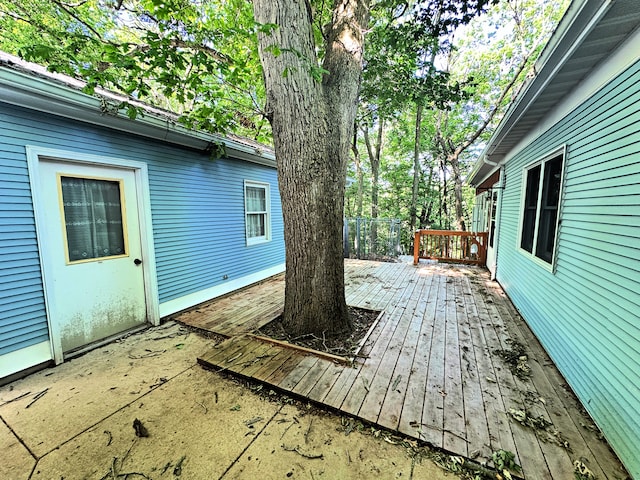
200 424
183 421
17 462
83 391
314 446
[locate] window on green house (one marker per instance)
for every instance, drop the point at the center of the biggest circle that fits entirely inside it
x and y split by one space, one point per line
540 211
257 212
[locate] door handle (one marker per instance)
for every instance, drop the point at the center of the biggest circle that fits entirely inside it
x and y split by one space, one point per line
138 262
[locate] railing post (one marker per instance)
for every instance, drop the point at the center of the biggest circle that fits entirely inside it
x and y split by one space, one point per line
416 247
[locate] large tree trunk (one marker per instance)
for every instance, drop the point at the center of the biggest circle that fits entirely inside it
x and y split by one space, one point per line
312 125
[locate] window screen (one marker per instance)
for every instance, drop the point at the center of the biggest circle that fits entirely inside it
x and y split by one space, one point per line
256 200
92 218
540 213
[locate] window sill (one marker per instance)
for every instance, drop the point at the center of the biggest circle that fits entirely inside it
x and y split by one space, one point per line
257 241
549 267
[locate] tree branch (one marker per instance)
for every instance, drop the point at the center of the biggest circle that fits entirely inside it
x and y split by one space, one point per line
496 108
81 22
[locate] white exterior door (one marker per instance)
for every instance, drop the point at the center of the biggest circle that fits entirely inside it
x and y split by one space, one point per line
92 254
492 215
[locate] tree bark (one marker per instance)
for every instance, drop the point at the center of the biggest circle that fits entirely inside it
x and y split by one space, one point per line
359 173
374 151
454 161
374 160
312 125
413 211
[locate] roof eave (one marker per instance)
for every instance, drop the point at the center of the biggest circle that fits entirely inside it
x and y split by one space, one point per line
20 89
577 22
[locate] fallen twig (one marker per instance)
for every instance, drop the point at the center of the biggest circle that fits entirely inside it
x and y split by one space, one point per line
124 458
295 420
306 434
150 353
108 433
114 475
365 382
296 449
396 382
177 471
37 397
229 360
249 423
202 405
16 398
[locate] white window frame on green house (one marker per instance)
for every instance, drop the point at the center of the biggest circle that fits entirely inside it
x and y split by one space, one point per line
257 217
535 207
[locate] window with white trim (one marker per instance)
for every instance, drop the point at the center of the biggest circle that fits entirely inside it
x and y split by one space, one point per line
257 208
543 183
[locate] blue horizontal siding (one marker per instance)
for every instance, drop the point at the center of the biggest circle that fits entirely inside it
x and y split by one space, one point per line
22 314
197 207
587 314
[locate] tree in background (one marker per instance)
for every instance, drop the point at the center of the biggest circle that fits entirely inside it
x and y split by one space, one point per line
485 61
497 56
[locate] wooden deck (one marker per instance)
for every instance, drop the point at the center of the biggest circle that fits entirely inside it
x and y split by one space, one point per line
431 370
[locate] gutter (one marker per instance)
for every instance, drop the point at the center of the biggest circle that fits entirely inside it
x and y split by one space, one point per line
24 90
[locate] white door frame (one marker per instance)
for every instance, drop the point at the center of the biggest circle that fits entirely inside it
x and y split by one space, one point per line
499 186
34 154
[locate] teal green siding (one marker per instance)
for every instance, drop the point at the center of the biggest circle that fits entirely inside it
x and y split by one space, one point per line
587 314
197 207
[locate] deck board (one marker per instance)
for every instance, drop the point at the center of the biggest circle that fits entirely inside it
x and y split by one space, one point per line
428 369
384 378
477 432
392 408
432 410
455 431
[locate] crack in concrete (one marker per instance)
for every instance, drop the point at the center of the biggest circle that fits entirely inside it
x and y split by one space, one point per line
237 459
57 447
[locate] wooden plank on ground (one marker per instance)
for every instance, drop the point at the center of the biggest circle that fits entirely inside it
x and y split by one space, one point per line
532 459
475 416
290 381
411 417
225 350
326 381
498 422
245 356
311 378
562 407
367 295
278 361
383 379
361 386
433 406
455 434
276 377
341 387
265 354
391 410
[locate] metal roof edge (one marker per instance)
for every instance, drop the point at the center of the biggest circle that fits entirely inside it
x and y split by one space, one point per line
42 94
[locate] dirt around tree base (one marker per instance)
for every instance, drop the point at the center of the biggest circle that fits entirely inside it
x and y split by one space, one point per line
344 346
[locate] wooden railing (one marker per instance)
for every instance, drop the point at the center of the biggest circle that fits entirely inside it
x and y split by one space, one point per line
450 246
